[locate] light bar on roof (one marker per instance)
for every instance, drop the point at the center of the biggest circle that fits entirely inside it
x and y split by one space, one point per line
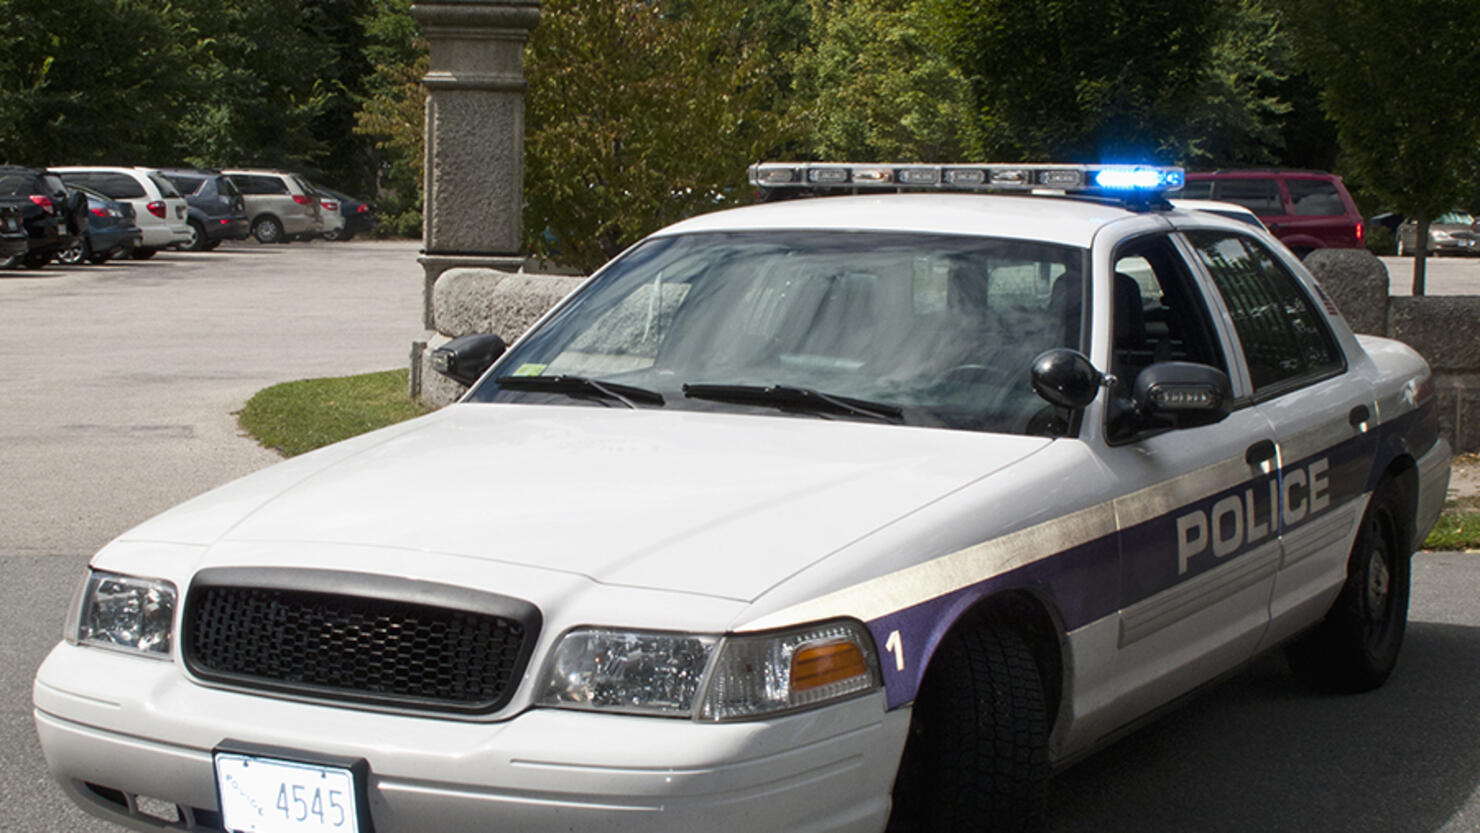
1116 180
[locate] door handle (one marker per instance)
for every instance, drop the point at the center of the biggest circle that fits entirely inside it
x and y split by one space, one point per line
1359 415
1260 453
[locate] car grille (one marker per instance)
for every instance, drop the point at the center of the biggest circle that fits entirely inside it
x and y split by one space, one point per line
381 649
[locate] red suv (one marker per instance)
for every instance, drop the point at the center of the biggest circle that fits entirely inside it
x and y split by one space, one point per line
1306 210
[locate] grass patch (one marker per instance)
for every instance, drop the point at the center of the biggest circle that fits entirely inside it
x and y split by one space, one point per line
295 417
1456 529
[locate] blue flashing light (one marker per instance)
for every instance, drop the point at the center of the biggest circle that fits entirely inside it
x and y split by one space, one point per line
1139 179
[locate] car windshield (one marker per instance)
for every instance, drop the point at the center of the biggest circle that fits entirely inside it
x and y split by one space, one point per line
1455 218
930 330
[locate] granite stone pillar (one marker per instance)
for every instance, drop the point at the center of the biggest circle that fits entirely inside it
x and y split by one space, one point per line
474 135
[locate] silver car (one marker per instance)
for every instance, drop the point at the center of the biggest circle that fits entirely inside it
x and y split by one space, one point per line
281 205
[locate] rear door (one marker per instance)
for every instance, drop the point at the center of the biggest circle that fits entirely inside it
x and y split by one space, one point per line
1321 411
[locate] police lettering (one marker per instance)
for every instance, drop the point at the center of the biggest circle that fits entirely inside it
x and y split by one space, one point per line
1237 520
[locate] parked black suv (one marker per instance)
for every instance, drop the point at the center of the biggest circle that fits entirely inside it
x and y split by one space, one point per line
217 210
52 216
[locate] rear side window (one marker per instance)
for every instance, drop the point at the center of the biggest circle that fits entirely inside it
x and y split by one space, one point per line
16 184
226 187
1314 197
186 184
1261 196
255 184
117 186
1286 342
166 188
1196 189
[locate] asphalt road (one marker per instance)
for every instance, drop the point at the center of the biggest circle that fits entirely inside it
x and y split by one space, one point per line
118 388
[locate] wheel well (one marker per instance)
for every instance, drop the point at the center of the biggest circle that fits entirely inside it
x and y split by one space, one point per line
1403 472
266 215
1030 616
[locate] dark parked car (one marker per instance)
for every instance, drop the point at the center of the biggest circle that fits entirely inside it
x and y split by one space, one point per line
53 218
217 210
13 241
358 216
1306 210
111 231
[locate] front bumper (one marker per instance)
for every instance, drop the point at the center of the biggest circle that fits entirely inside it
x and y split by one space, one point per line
117 728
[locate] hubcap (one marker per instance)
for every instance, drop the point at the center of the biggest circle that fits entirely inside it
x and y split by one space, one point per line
1379 584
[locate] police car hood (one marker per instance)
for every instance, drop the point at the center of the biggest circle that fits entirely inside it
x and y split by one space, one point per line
717 504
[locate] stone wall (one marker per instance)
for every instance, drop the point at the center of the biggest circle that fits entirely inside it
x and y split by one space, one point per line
1443 328
478 300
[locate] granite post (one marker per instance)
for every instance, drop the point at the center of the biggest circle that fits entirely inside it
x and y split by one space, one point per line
474 187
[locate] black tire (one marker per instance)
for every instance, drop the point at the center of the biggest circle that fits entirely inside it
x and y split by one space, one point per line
198 241
334 235
977 757
142 252
75 253
98 258
268 230
212 245
1355 648
36 260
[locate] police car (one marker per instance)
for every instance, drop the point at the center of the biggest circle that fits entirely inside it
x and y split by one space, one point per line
846 513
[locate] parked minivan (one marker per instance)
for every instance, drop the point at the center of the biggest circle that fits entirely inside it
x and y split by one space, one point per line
159 210
217 210
281 205
1306 210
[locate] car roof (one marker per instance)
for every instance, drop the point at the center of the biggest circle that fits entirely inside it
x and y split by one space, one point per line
1064 220
1242 173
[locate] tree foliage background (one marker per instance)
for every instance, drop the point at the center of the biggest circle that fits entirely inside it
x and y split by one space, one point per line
643 111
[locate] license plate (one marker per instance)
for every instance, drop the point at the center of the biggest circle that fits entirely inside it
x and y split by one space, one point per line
266 795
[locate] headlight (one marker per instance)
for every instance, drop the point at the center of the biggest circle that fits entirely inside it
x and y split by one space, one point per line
625 671
708 677
133 614
1443 237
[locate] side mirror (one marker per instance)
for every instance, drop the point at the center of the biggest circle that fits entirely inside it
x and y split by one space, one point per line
1185 393
1066 378
464 359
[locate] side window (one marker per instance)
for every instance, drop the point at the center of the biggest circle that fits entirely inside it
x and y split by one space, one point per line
271 185
1159 314
117 186
1196 189
1261 196
1314 197
1285 341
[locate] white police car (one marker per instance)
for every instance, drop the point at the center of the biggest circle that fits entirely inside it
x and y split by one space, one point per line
820 515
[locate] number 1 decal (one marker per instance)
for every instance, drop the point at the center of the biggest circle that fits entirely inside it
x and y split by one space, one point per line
895 645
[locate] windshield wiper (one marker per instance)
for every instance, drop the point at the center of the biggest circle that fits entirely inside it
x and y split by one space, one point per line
582 386
805 399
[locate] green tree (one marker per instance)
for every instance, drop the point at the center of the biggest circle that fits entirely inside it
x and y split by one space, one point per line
1195 81
639 115
265 82
393 113
102 81
1395 79
877 86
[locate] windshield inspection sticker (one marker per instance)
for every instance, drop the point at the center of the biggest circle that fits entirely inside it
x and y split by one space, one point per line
530 369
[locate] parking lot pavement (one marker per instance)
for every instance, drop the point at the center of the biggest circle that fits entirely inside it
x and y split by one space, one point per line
1442 275
120 381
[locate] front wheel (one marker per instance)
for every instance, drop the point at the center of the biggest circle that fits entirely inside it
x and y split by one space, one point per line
1356 647
142 252
977 756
